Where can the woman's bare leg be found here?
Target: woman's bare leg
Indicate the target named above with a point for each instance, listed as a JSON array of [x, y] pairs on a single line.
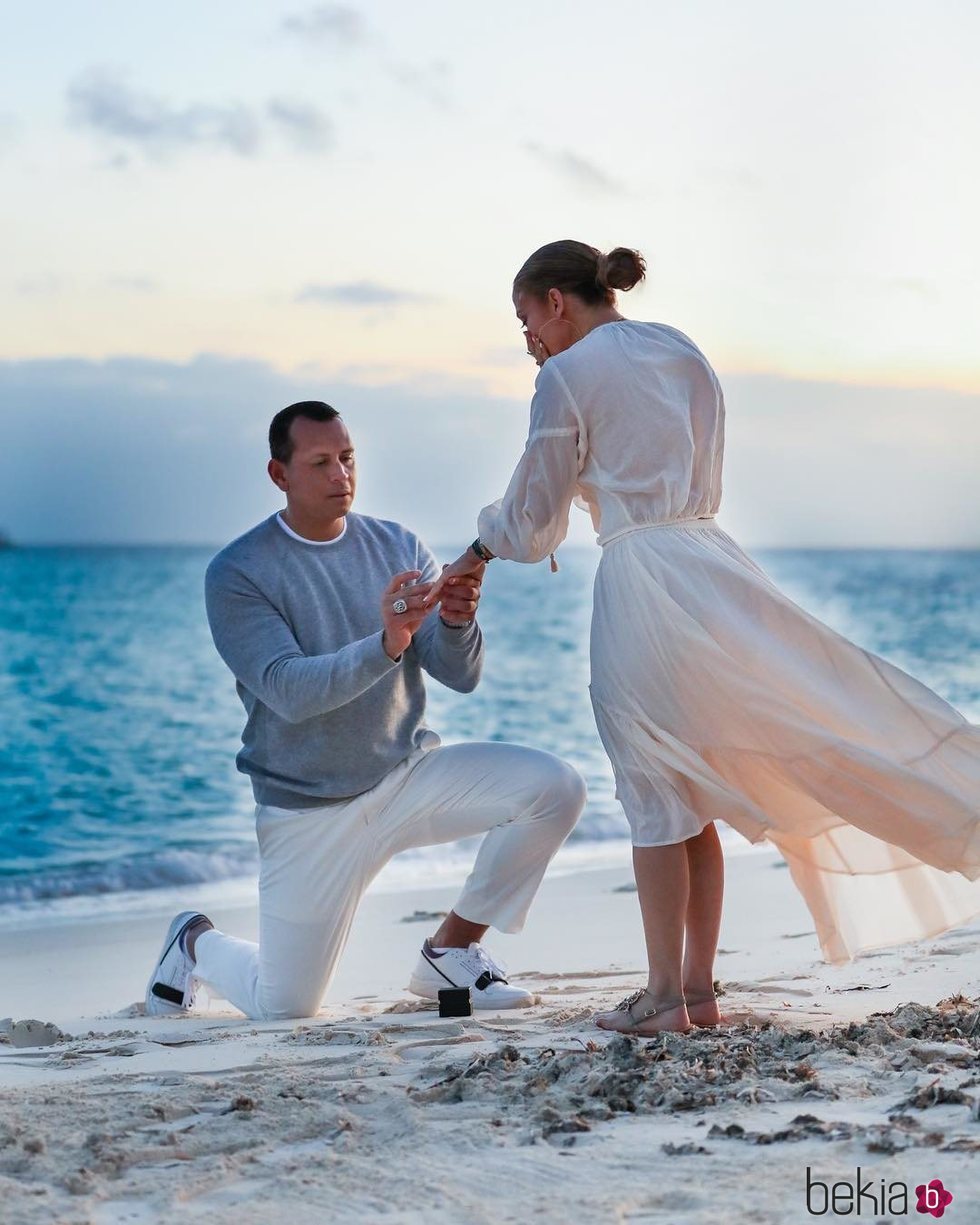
[[663, 888], [706, 869]]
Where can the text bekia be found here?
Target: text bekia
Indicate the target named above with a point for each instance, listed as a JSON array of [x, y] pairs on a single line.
[[844, 1198]]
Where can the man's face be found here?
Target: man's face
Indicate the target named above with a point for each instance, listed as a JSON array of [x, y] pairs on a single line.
[[320, 478]]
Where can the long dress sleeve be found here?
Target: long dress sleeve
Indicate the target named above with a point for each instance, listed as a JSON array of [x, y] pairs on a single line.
[[531, 519]]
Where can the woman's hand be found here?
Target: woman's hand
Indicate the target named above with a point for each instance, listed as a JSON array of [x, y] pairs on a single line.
[[536, 349], [540, 351], [467, 565]]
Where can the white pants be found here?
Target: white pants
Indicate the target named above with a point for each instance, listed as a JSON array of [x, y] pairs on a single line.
[[315, 863]]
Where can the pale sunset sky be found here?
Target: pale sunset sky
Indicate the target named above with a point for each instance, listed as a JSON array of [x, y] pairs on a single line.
[[212, 210]]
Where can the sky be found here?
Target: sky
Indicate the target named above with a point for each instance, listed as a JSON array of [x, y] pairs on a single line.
[[212, 210]]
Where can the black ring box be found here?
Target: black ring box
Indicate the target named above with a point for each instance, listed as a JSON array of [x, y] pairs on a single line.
[[455, 1002]]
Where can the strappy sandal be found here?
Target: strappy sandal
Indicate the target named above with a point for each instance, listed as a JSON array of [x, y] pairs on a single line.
[[702, 997], [638, 1016]]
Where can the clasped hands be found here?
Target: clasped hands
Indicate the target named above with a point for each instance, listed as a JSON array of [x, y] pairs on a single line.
[[405, 603]]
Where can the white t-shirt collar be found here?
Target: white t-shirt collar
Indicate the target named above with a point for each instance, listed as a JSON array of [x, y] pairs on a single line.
[[320, 544]]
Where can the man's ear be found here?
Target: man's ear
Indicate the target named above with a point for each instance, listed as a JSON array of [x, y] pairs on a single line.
[[277, 473]]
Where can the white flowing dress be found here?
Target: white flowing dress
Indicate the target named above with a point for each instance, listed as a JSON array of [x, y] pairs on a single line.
[[716, 696]]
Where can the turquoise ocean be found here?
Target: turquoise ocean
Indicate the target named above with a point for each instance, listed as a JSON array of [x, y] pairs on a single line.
[[119, 723]]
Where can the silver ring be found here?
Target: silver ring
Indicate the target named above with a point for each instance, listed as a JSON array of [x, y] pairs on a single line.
[[399, 606]]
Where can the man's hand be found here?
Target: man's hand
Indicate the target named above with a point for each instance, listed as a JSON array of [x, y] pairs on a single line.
[[400, 627], [461, 596]]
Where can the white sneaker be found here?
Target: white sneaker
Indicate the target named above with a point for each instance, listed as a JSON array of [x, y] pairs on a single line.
[[172, 984], [472, 967]]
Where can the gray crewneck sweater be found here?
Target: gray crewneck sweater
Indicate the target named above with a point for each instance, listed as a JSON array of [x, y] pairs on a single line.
[[298, 622]]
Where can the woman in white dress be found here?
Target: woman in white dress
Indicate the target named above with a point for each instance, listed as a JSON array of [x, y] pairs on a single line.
[[715, 695]]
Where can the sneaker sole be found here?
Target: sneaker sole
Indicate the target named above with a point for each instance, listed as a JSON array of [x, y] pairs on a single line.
[[428, 992], [154, 1004]]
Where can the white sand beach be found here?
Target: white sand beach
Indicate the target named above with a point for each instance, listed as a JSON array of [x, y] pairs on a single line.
[[378, 1110]]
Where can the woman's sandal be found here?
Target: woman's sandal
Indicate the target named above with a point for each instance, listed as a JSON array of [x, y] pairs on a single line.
[[636, 1017], [693, 998]]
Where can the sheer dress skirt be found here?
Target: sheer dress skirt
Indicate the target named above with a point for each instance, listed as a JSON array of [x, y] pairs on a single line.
[[717, 697]]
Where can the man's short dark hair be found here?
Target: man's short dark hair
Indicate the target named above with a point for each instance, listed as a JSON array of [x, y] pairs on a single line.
[[280, 443]]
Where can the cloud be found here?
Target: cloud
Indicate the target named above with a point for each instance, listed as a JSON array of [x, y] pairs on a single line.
[[575, 169], [328, 23], [139, 450], [102, 102], [360, 293], [430, 82], [814, 463], [346, 27], [304, 125]]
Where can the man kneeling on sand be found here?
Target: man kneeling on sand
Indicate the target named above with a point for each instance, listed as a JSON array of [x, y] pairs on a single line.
[[318, 613]]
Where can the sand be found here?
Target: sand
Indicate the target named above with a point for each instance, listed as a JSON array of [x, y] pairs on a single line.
[[379, 1110]]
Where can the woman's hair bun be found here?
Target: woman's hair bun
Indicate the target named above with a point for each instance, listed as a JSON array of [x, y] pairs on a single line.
[[575, 267], [621, 268]]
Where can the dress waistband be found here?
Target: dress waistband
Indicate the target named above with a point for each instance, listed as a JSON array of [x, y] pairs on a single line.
[[698, 521]]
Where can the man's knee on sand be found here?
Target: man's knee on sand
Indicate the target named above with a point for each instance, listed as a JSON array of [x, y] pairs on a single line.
[[295, 1005]]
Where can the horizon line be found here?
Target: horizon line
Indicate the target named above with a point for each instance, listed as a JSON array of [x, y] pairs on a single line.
[[12, 546]]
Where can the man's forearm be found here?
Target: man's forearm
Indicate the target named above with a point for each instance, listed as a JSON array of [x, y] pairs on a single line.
[[258, 645], [453, 655], [299, 687]]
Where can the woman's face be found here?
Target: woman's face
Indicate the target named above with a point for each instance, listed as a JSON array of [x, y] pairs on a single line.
[[546, 328]]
